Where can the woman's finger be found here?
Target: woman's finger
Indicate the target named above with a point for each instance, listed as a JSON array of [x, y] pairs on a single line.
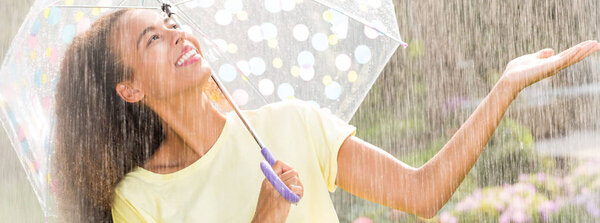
[[574, 47], [299, 190], [545, 53], [288, 175], [281, 167], [570, 57], [587, 49], [563, 59]]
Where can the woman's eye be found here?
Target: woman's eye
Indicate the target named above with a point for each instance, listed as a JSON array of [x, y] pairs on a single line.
[[154, 37], [174, 26]]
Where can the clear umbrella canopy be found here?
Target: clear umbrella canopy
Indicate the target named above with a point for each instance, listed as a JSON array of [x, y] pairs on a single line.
[[326, 52]]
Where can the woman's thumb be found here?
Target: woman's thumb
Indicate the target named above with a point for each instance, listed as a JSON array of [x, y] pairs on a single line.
[[545, 53]]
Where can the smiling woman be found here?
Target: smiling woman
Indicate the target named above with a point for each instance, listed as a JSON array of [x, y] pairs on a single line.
[[138, 140]]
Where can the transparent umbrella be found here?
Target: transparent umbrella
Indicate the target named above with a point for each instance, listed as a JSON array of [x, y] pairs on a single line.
[[323, 51]]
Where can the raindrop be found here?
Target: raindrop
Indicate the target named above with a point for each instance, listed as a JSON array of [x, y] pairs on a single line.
[[375, 3], [83, 25], [269, 31], [257, 65], [300, 32], [233, 6], [288, 5], [277, 62], [362, 54], [240, 97], [333, 90], [327, 80], [307, 73], [337, 18], [227, 72], [35, 28], [223, 17], [306, 59], [320, 41], [205, 3], [352, 76], [343, 62], [243, 66], [273, 6], [266, 87], [255, 34], [221, 44], [295, 71], [67, 34], [285, 91], [54, 16]]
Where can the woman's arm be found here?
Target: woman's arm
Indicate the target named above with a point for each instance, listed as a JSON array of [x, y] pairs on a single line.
[[369, 172]]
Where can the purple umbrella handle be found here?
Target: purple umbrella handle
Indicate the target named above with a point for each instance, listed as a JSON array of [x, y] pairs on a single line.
[[268, 156], [278, 184], [274, 179]]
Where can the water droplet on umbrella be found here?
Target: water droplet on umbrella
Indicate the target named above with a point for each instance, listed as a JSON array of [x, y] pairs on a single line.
[[227, 72], [320, 41], [266, 87], [257, 65], [333, 90], [223, 17], [300, 32], [306, 59], [362, 54], [343, 62], [285, 91]]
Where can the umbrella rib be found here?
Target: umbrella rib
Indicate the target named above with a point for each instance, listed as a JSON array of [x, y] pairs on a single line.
[[182, 2], [105, 6], [358, 19]]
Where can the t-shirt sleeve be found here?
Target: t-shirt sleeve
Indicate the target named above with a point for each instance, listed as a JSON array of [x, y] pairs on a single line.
[[124, 212], [327, 132]]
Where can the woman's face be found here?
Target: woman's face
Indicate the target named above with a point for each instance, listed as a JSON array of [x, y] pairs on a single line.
[[165, 60]]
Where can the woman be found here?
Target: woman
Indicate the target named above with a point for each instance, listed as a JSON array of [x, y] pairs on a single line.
[[139, 141]]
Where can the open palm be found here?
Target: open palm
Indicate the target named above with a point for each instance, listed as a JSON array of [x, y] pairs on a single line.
[[528, 69]]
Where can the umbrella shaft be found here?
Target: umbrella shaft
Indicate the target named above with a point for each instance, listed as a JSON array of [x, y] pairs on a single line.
[[237, 110]]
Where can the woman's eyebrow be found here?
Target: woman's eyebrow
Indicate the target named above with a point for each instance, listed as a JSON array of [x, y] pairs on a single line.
[[148, 29]]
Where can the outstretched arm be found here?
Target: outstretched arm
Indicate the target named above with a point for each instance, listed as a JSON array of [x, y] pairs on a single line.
[[369, 172]]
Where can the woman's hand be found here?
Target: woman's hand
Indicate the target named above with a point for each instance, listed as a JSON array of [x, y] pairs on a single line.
[[528, 69], [272, 207]]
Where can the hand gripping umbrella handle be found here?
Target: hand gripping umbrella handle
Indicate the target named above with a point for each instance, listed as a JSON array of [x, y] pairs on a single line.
[[274, 179]]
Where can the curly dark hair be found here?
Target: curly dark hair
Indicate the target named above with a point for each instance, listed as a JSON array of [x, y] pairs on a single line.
[[99, 136]]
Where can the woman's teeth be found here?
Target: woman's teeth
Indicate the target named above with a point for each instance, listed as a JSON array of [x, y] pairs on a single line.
[[185, 57]]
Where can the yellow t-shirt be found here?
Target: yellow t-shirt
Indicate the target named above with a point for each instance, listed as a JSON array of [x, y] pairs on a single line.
[[224, 184]]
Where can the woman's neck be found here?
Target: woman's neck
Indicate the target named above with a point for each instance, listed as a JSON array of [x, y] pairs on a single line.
[[192, 125]]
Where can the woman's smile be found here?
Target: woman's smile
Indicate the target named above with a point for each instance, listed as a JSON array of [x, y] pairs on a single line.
[[189, 55]]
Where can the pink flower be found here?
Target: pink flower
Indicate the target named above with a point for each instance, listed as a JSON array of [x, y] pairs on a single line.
[[362, 220], [447, 218], [547, 208]]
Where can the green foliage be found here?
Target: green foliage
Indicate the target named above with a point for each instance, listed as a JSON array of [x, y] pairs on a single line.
[[510, 152], [415, 49], [421, 156]]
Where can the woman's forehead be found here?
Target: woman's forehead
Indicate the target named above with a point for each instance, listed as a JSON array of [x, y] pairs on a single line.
[[138, 17], [134, 22]]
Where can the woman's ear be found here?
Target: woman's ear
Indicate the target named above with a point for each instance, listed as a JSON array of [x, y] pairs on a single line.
[[129, 93]]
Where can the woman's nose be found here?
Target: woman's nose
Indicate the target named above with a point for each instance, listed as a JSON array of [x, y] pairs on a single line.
[[178, 37]]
